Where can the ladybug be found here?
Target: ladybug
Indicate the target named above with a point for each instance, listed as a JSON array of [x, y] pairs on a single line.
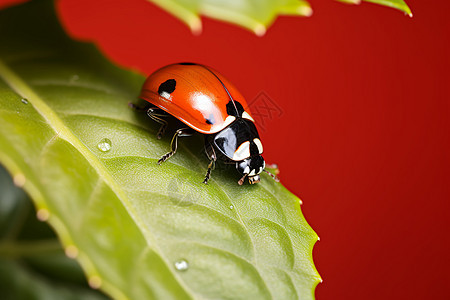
[[206, 102]]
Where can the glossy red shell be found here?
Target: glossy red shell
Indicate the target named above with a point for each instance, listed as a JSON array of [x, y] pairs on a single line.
[[199, 97]]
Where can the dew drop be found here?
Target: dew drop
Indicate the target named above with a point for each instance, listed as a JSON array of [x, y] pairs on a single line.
[[24, 101], [231, 207], [104, 145], [181, 265]]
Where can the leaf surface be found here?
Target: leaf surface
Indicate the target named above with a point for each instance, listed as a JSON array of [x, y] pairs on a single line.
[[256, 16], [139, 230], [253, 15]]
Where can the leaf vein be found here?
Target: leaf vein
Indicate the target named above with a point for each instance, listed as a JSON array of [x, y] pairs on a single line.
[[20, 87]]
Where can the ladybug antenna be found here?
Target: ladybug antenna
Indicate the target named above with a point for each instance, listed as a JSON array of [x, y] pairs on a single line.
[[275, 177], [241, 181]]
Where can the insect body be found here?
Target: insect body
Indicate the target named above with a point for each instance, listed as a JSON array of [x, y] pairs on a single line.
[[207, 103]]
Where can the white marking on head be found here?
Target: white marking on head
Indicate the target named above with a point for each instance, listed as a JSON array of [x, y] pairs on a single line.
[[228, 121], [242, 152], [246, 170], [252, 173], [247, 116], [259, 145], [254, 179], [260, 170]]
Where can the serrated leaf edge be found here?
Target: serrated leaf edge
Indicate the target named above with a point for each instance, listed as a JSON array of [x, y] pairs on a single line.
[[192, 17], [64, 133]]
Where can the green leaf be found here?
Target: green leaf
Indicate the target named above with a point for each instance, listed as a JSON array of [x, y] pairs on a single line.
[[253, 15], [256, 16], [129, 222], [32, 262], [398, 4]]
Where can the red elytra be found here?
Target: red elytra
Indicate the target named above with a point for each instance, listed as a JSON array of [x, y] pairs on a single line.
[[197, 96]]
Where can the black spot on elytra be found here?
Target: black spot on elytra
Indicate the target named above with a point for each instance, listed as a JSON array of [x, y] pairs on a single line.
[[167, 86], [187, 64], [235, 109]]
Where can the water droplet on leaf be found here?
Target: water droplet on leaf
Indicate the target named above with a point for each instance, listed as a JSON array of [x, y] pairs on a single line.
[[181, 265], [24, 101], [104, 145]]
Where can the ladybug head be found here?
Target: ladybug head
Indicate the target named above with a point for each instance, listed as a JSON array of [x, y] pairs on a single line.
[[251, 167]]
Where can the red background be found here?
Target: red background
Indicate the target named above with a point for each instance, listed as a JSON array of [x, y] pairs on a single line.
[[364, 134]]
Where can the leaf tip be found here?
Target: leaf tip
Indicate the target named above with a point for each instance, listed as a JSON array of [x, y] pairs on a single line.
[[260, 30], [195, 24], [405, 8], [305, 11], [398, 4]]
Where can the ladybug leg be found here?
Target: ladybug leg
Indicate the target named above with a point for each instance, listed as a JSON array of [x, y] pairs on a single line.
[[183, 132], [212, 164], [157, 115]]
